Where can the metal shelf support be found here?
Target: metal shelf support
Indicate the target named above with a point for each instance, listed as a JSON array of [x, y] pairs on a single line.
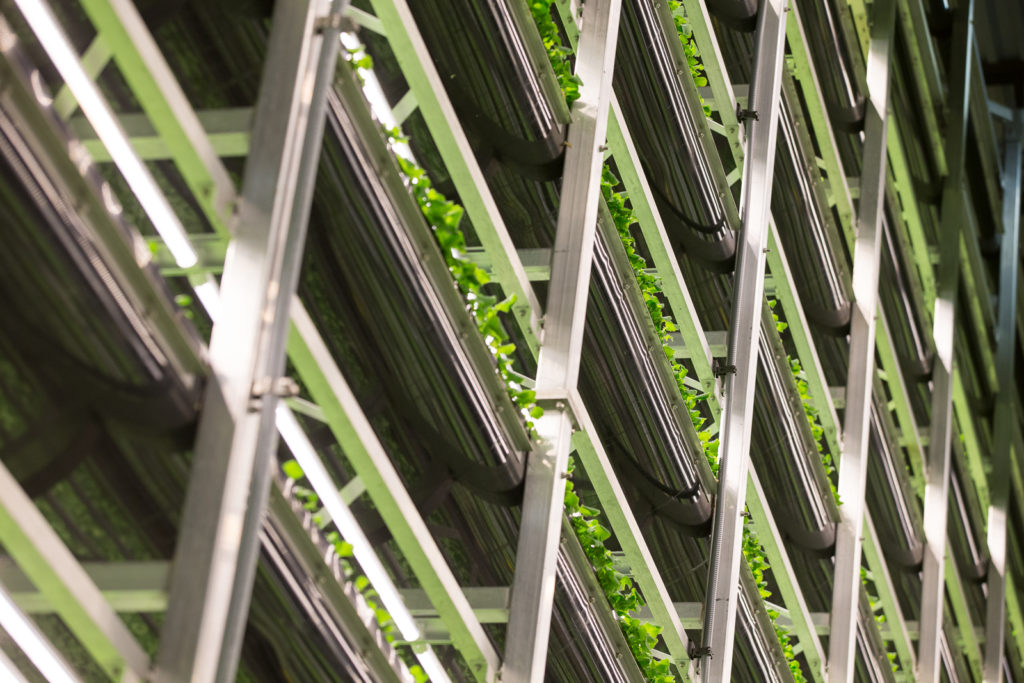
[[558, 364], [853, 464], [1006, 340], [218, 545], [722, 599]]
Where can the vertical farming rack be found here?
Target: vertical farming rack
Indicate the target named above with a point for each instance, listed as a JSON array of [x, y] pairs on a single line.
[[479, 340]]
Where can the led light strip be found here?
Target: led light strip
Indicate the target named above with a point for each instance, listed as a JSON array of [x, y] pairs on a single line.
[[33, 643], [108, 129]]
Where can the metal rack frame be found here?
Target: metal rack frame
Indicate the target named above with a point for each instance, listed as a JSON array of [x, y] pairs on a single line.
[[202, 639]]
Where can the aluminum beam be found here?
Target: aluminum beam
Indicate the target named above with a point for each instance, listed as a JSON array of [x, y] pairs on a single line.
[[458, 157], [94, 60], [558, 363], [37, 549], [1005, 415], [937, 469], [645, 209], [384, 486], [10, 670], [853, 464], [722, 599], [215, 559]]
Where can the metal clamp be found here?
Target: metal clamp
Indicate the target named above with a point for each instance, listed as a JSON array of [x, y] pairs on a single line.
[[559, 403], [335, 21], [721, 369], [282, 387], [745, 114], [697, 651]]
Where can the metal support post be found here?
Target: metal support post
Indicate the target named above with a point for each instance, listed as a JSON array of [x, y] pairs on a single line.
[[723, 583], [1002, 429], [218, 545], [937, 469], [533, 587], [853, 465], [427, 86], [40, 651]]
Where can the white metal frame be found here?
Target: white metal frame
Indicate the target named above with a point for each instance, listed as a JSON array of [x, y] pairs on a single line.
[[726, 554], [1002, 429], [217, 550], [31, 542], [384, 486], [558, 363], [853, 465], [516, 278]]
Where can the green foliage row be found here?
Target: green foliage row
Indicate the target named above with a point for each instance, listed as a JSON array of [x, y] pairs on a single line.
[[868, 581], [558, 54], [693, 57], [444, 217], [618, 587], [311, 503], [810, 412]]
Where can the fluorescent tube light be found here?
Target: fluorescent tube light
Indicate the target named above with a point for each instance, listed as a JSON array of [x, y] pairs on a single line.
[[33, 643], [209, 296], [375, 94], [108, 129]]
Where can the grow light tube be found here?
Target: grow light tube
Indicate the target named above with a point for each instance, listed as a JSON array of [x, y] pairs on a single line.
[[33, 643], [375, 94], [108, 129], [314, 470]]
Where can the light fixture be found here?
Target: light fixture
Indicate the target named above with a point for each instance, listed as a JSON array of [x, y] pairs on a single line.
[[375, 94], [33, 643], [108, 129], [209, 296], [318, 477]]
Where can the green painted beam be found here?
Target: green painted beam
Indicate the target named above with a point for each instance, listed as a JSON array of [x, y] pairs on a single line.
[[157, 90], [227, 130]]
